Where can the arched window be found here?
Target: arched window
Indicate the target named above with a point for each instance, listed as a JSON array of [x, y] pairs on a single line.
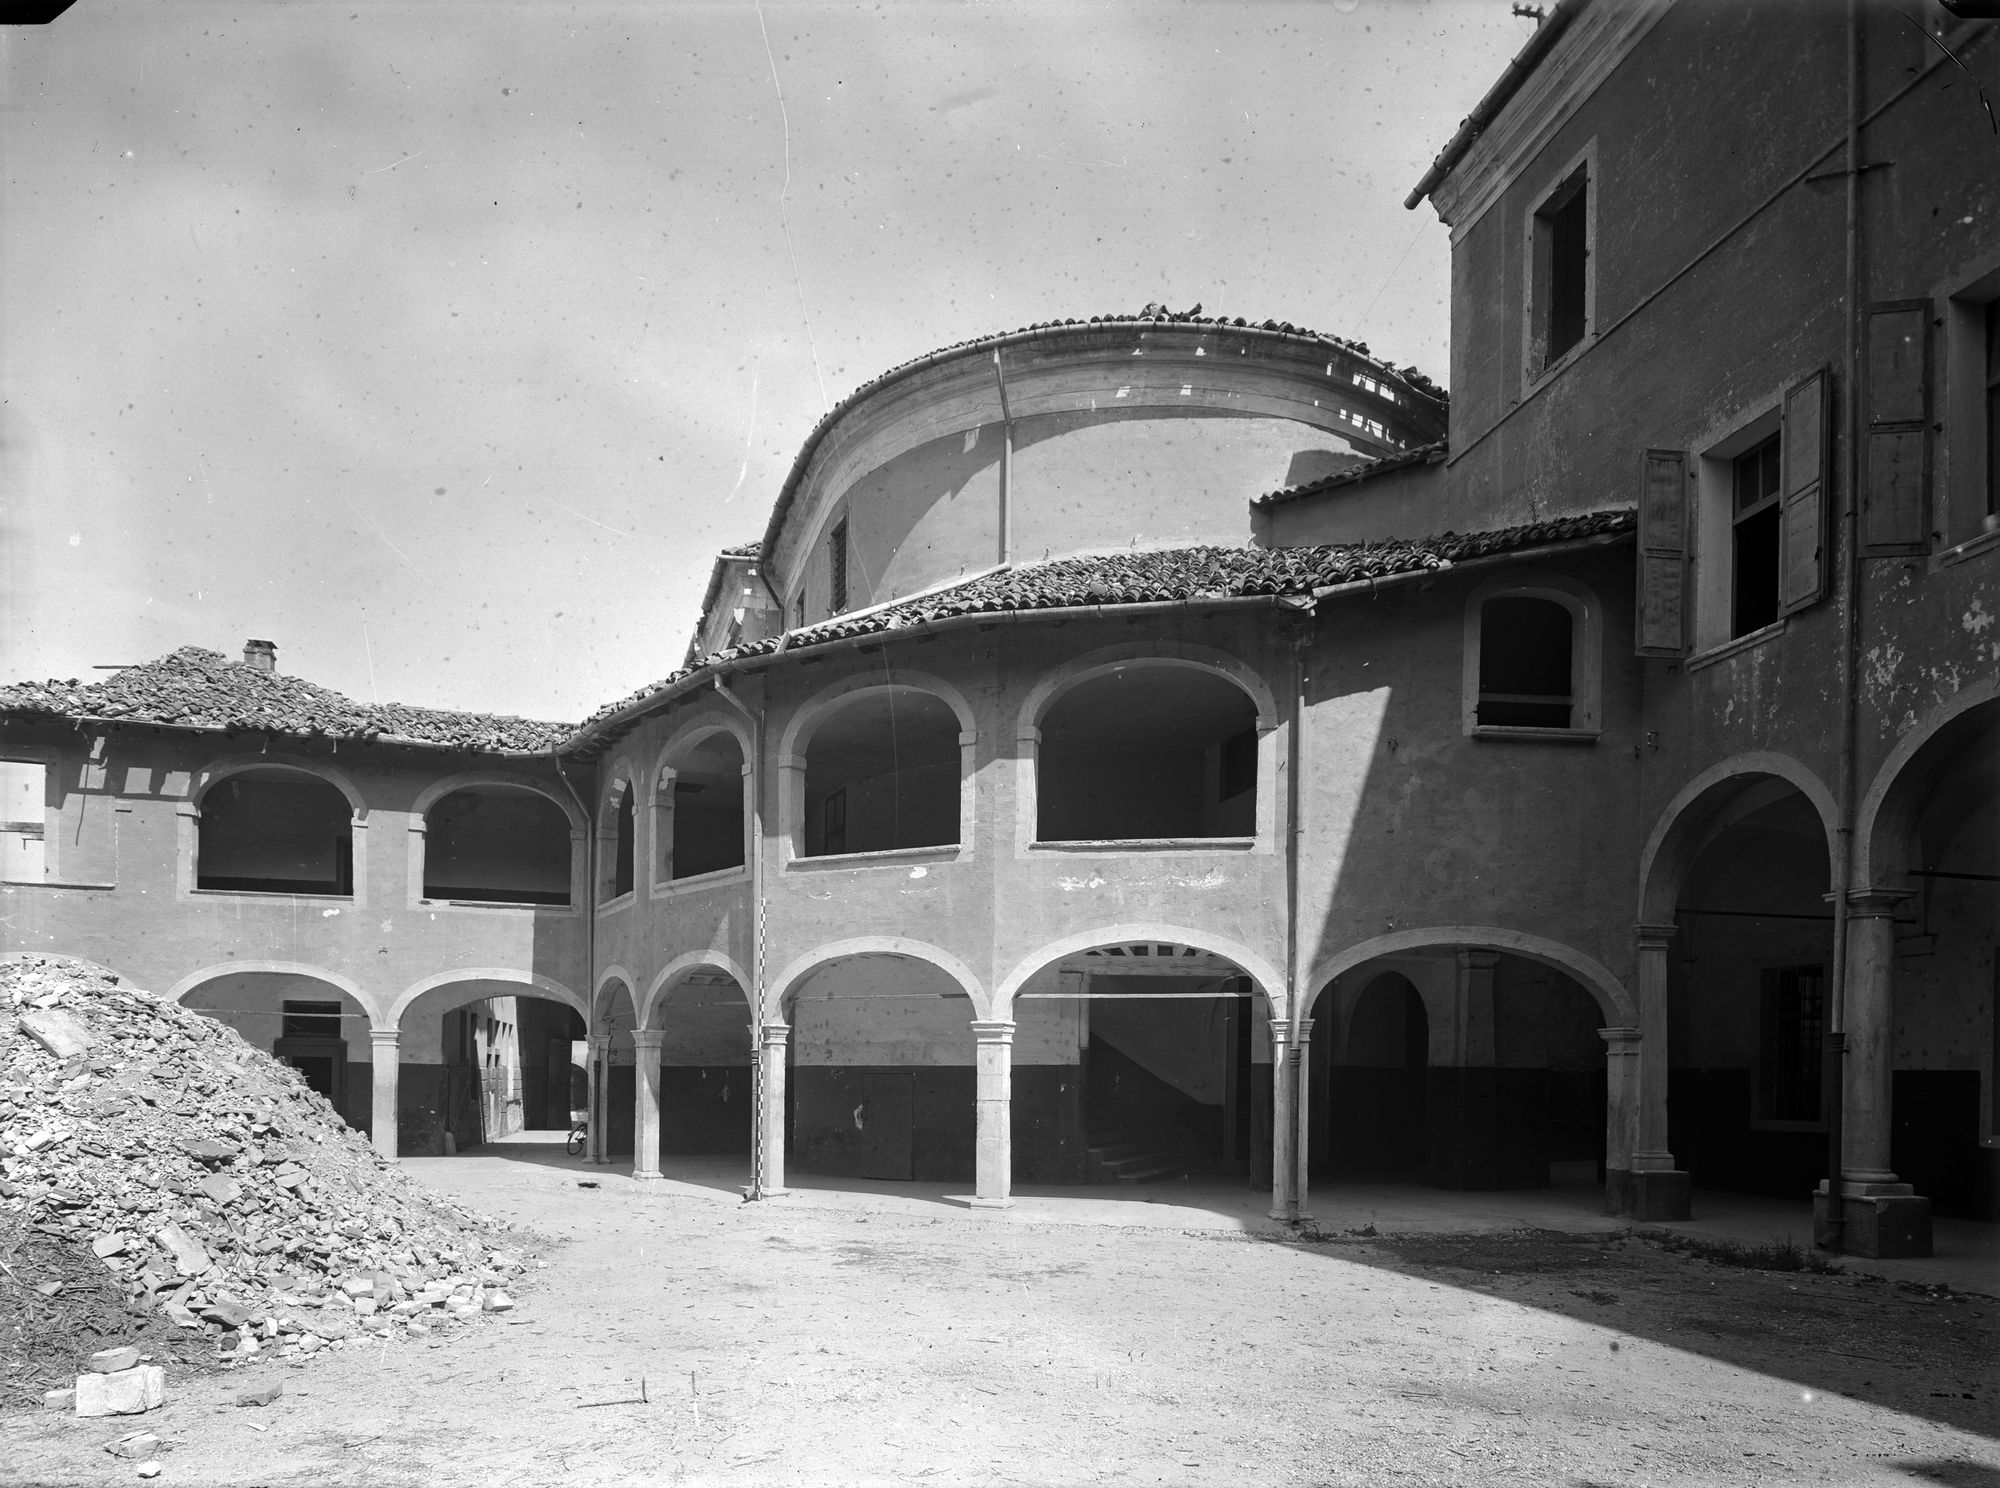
[[1526, 662], [701, 808], [615, 845], [496, 844], [882, 772], [1148, 752], [272, 830]]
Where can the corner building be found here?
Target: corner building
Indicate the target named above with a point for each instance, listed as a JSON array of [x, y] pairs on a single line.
[[1162, 743]]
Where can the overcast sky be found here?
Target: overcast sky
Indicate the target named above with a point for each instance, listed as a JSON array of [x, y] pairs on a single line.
[[444, 344]]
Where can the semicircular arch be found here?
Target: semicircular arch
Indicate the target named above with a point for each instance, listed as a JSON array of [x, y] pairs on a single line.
[[788, 981], [697, 726], [1092, 664], [547, 986], [815, 710], [1617, 1004], [1267, 978], [1677, 836], [437, 790], [1885, 821], [213, 774], [347, 984], [665, 981]]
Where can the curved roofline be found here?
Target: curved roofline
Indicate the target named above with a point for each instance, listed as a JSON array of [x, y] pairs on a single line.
[[1282, 332]]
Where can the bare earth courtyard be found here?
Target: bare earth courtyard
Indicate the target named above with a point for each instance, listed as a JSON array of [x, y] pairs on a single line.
[[677, 1335]]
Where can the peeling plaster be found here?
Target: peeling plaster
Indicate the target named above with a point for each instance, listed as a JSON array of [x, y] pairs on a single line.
[[1977, 619]]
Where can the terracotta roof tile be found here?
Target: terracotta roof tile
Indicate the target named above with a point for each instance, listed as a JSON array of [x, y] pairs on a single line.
[[195, 688], [1423, 454]]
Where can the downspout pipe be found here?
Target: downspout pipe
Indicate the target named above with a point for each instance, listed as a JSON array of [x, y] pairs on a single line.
[[755, 718], [589, 905], [1833, 1084], [1295, 1208]]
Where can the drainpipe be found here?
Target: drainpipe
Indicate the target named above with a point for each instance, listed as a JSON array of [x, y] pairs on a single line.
[[1006, 464], [1833, 1082], [1295, 1205], [589, 919], [756, 988]]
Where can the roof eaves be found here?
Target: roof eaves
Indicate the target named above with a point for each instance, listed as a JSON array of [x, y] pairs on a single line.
[[1424, 454]]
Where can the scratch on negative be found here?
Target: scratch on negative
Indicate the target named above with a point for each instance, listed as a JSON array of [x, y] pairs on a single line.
[[394, 163]]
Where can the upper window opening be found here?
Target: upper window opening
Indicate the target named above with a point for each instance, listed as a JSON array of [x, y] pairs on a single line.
[[1561, 293], [311, 1020], [1148, 752], [836, 567], [799, 611], [707, 809], [616, 848], [275, 832], [882, 772], [1526, 663], [497, 844], [24, 787], [1754, 522], [1992, 409]]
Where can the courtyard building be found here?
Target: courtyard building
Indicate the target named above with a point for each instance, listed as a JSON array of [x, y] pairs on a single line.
[[1162, 743]]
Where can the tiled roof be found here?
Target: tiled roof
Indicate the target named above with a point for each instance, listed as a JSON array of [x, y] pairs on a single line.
[[1423, 454], [743, 550], [1169, 574], [194, 688]]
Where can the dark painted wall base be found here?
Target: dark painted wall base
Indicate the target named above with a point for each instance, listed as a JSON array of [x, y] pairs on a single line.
[[1485, 1128], [919, 1124], [1652, 1195], [705, 1110]]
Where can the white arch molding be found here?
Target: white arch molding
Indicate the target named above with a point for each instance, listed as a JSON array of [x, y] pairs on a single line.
[[1267, 978], [1617, 1004], [698, 725], [810, 714], [1107, 659], [347, 984], [1891, 783], [548, 986], [874, 945], [1656, 900], [213, 774], [437, 790], [666, 982]]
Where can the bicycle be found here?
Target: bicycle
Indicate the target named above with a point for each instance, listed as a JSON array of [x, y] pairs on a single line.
[[579, 1134]]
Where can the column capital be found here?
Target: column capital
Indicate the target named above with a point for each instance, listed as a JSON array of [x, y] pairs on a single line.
[[774, 1035], [1302, 1029], [1874, 903], [647, 1038], [1474, 959], [993, 1031], [1281, 1031], [1647, 936], [599, 1042], [385, 1038], [1621, 1038]]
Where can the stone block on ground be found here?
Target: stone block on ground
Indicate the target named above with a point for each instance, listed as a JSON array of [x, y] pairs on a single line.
[[187, 1252], [58, 1032], [129, 1392], [63, 1399], [113, 1360], [261, 1395], [138, 1444]]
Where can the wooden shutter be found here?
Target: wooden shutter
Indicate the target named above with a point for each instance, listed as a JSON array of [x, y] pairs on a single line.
[[1662, 628], [1802, 497], [1895, 506]]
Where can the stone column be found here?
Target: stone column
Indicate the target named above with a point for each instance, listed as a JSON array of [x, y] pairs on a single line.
[[646, 1103], [994, 1148], [600, 1138], [1302, 1110], [1880, 1216], [1284, 1127], [1621, 1114], [1657, 1189], [385, 1050], [770, 1116]]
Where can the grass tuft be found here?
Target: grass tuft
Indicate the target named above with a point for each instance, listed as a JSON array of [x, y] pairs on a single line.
[[1784, 1254]]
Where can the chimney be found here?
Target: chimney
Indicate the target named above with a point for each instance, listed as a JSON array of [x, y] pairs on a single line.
[[261, 656]]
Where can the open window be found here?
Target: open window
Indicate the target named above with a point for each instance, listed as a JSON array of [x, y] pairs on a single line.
[[1562, 284], [1531, 659], [882, 773], [699, 812], [1971, 440], [24, 795], [616, 845], [275, 831], [497, 844], [1791, 1032], [1147, 752]]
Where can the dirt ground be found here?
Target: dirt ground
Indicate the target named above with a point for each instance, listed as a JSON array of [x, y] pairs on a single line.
[[673, 1339]]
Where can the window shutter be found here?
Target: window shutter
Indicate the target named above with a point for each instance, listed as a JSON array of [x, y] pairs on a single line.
[[1895, 516], [1802, 498], [1662, 628]]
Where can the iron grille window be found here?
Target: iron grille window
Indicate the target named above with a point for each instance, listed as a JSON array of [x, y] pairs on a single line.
[[1791, 1034]]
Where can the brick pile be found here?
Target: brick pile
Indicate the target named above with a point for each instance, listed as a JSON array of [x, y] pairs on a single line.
[[202, 1182]]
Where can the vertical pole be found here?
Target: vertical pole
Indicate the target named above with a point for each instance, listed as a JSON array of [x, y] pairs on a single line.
[[646, 1103], [385, 1054], [1284, 1203], [1302, 1108], [770, 1179], [1871, 971], [600, 1091], [1658, 1189], [1621, 1115], [994, 1151]]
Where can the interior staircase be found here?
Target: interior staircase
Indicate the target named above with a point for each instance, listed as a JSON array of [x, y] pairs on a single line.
[[1115, 1156]]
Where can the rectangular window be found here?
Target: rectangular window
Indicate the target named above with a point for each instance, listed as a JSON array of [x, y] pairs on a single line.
[[1754, 538], [23, 821], [1559, 296], [311, 1020], [1992, 430], [799, 611], [836, 567], [1791, 1034]]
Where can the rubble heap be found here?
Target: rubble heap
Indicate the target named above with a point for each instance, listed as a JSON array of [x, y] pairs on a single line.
[[207, 1183]]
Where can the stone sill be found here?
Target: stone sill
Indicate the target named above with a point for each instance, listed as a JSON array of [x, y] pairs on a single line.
[[714, 877], [623, 901], [264, 894], [61, 883], [888, 857], [1149, 845], [500, 904], [1734, 647], [1539, 735]]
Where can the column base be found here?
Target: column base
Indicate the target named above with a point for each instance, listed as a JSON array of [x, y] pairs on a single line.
[[750, 1193], [646, 1177], [979, 1203], [1876, 1226], [1649, 1194]]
